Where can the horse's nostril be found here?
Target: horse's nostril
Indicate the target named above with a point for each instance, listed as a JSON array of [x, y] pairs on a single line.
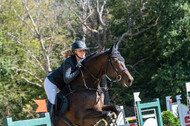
[[129, 81]]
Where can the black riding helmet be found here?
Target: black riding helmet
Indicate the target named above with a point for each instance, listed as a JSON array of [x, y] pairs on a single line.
[[78, 45]]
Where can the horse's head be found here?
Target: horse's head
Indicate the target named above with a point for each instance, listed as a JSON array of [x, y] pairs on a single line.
[[115, 67]]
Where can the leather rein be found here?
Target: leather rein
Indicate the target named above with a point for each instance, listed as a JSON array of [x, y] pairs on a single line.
[[99, 90], [118, 74]]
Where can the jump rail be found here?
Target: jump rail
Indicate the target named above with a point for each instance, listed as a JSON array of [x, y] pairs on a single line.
[[44, 119]]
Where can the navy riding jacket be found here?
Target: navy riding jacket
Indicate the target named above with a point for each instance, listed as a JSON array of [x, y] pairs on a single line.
[[65, 73]]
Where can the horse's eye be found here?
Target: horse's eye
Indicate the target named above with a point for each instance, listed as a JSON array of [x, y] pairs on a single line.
[[115, 60]]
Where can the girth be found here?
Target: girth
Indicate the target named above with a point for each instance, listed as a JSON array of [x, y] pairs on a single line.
[[71, 91]]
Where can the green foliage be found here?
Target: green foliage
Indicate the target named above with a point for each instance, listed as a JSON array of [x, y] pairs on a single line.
[[169, 119], [18, 45], [158, 58], [16, 96], [174, 67], [126, 14]]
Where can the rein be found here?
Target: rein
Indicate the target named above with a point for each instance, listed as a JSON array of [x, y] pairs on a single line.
[[118, 74], [99, 90]]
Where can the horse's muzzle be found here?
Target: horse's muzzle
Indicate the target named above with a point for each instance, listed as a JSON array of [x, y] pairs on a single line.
[[128, 83]]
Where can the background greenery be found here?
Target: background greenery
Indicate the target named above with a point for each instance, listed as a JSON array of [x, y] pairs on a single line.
[[158, 58]]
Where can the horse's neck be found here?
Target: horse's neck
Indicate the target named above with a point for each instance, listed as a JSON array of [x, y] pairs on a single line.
[[96, 70], [89, 77]]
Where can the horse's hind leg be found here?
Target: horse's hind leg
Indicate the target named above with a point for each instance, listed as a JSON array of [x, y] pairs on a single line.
[[91, 117]]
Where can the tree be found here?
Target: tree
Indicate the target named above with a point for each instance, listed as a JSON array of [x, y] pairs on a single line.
[[29, 37], [34, 32], [174, 66], [37, 28], [98, 18], [158, 58], [16, 96]]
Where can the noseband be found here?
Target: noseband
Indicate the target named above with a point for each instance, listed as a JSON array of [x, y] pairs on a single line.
[[118, 74]]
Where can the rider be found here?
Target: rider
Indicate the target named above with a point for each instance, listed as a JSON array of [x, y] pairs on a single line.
[[68, 70]]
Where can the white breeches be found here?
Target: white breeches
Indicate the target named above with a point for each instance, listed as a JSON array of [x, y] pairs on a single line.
[[51, 90]]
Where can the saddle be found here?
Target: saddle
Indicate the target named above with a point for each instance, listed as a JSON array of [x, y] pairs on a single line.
[[61, 104]]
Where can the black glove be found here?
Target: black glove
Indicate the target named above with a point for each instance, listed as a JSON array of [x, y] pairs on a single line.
[[78, 66]]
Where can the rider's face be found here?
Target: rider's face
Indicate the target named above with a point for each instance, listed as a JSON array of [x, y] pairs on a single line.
[[80, 52]]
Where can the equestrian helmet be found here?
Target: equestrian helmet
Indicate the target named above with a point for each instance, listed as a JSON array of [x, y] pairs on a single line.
[[78, 45]]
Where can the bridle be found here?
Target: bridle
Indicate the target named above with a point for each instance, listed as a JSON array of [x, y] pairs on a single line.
[[118, 74], [99, 90]]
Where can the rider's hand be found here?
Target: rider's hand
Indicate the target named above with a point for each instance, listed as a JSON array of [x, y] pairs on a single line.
[[78, 66]]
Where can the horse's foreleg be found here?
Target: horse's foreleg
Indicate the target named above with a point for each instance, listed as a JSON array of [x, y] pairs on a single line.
[[116, 109], [92, 116]]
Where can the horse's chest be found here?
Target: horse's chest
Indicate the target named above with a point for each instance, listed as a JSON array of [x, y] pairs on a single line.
[[99, 101]]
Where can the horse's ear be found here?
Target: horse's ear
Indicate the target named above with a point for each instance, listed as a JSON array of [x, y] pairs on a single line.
[[110, 50], [116, 46], [113, 49]]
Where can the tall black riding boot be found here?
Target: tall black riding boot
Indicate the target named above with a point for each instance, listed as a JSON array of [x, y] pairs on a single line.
[[51, 110]]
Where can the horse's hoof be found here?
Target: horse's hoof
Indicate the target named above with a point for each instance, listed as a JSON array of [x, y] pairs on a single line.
[[112, 124], [108, 117], [114, 115], [101, 122], [113, 120]]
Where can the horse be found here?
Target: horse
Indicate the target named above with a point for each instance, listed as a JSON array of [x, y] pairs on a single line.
[[86, 99]]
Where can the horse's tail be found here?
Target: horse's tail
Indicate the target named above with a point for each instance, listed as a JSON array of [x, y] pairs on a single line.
[[66, 53]]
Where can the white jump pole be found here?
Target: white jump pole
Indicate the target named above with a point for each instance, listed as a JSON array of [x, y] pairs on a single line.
[[188, 95]]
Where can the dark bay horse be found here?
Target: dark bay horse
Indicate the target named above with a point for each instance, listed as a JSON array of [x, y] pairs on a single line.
[[86, 102]]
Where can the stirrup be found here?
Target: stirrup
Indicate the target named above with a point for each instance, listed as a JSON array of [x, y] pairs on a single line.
[[101, 121], [51, 110]]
